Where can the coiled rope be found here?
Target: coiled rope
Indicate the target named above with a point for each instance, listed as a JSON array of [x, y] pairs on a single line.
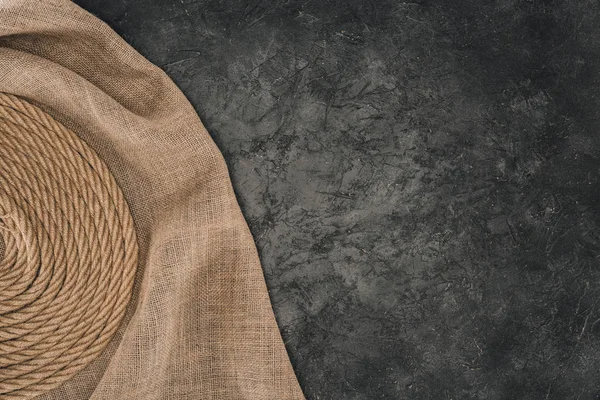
[[70, 252]]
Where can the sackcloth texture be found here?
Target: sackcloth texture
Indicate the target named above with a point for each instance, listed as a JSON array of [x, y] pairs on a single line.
[[188, 315]]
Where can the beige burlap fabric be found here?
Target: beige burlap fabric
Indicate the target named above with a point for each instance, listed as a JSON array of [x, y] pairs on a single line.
[[199, 324]]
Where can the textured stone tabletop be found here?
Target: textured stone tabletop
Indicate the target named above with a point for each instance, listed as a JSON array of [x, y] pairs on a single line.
[[421, 179]]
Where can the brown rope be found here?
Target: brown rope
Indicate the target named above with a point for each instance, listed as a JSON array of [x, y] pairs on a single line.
[[70, 252]]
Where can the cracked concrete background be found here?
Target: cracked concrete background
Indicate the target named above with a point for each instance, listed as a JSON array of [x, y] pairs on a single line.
[[421, 179]]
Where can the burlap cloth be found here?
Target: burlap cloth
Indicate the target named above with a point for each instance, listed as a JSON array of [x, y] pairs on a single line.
[[200, 323]]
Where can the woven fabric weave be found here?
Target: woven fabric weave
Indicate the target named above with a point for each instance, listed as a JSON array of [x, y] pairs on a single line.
[[199, 324]]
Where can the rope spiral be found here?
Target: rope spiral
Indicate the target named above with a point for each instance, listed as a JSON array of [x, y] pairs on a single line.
[[70, 252]]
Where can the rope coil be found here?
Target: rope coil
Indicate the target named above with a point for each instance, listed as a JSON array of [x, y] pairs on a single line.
[[70, 252]]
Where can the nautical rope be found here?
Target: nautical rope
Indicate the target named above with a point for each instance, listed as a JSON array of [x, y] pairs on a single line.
[[70, 252]]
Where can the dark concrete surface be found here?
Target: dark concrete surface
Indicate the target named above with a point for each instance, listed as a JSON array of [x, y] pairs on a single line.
[[421, 178]]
